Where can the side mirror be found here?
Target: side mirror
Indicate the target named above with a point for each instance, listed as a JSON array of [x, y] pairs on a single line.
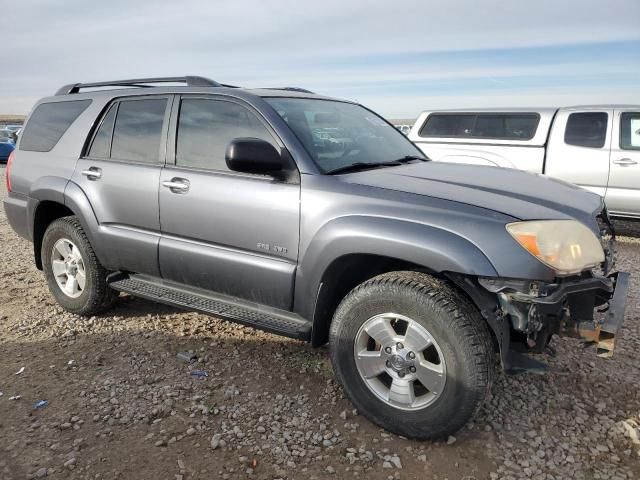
[[253, 155]]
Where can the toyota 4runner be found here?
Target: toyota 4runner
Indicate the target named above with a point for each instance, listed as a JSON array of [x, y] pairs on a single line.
[[314, 218]]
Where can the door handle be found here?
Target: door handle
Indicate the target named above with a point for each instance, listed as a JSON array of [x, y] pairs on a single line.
[[92, 173], [177, 185], [625, 162]]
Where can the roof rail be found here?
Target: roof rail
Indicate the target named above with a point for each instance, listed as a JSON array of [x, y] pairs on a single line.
[[291, 89], [191, 81]]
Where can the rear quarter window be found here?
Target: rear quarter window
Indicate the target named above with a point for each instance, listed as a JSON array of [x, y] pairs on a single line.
[[48, 122]]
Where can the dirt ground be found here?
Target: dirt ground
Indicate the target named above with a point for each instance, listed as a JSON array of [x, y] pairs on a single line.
[[121, 405]]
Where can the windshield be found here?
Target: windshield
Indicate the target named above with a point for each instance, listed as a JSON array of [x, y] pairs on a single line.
[[338, 134]]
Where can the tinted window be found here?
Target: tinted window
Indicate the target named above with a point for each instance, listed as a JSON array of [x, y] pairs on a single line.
[[630, 131], [101, 145], [586, 129], [48, 122], [506, 126], [206, 127], [448, 126], [499, 126], [138, 129], [338, 134]]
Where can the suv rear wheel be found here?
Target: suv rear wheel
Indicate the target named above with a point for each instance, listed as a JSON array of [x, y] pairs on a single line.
[[74, 275], [412, 354]]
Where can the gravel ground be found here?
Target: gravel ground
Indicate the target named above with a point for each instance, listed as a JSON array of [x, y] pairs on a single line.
[[122, 405]]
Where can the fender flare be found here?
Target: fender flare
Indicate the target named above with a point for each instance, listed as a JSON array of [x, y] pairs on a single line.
[[76, 200], [433, 248], [69, 194], [47, 188]]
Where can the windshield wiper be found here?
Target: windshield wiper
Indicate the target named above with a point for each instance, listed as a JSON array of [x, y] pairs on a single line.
[[409, 158], [354, 167]]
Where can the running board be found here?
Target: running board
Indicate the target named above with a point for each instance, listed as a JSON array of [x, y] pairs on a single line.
[[234, 309]]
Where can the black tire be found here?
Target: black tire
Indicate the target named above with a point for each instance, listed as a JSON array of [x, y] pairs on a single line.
[[96, 295], [454, 323]]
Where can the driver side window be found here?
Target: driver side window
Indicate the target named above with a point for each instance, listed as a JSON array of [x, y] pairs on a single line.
[[207, 126]]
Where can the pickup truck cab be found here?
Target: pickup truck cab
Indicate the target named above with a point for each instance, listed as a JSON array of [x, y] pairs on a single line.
[[595, 147], [314, 218]]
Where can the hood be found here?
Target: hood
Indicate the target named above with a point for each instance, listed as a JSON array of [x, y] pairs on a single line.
[[519, 194]]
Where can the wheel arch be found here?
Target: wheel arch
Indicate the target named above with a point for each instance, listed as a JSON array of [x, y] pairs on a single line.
[[349, 251], [52, 198]]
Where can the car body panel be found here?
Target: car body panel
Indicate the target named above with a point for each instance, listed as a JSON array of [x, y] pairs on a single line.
[[623, 190], [211, 230]]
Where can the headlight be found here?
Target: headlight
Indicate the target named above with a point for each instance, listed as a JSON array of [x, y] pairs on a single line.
[[567, 246]]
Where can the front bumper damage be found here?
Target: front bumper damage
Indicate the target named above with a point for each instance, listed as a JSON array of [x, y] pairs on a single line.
[[528, 313], [567, 308], [525, 314]]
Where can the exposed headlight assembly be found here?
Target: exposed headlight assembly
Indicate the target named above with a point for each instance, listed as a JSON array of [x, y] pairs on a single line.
[[567, 246]]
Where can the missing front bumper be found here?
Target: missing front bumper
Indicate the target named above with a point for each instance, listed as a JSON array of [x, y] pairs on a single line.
[[604, 333], [539, 310]]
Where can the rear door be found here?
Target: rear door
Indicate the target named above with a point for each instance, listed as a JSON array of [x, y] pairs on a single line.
[[623, 192], [223, 231], [578, 150], [120, 175]]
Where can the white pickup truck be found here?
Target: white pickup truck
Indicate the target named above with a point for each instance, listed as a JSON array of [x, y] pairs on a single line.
[[596, 147]]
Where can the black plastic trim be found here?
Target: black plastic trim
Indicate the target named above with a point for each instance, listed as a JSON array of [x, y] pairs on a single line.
[[251, 314]]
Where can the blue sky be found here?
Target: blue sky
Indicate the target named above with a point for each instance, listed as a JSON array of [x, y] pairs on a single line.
[[397, 57]]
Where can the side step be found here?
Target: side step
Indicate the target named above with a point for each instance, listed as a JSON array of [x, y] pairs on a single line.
[[229, 308]]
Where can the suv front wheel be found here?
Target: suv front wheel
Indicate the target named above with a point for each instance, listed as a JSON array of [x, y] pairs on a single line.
[[74, 275], [412, 354]]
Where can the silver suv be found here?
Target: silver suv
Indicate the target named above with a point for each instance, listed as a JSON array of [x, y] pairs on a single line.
[[314, 218]]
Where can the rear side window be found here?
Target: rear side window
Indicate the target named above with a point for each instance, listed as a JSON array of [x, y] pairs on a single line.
[[101, 145], [630, 131], [586, 129], [48, 122], [497, 126], [138, 130], [448, 126], [206, 127]]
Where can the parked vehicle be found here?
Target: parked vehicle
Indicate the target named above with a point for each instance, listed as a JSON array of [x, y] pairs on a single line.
[[5, 133], [15, 131], [314, 218], [13, 127], [6, 147], [596, 147], [405, 129]]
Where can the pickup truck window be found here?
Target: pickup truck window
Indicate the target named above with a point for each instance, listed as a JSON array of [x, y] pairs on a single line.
[[339, 134], [630, 131], [206, 127], [497, 126], [48, 122], [586, 129]]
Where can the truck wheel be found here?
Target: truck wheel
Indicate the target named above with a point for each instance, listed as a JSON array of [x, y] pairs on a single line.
[[412, 354], [74, 275]]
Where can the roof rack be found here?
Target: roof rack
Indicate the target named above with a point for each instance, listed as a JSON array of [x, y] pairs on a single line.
[[291, 89], [191, 81]]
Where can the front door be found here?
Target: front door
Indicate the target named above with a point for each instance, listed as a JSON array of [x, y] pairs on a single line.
[[120, 175], [230, 233], [623, 192]]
